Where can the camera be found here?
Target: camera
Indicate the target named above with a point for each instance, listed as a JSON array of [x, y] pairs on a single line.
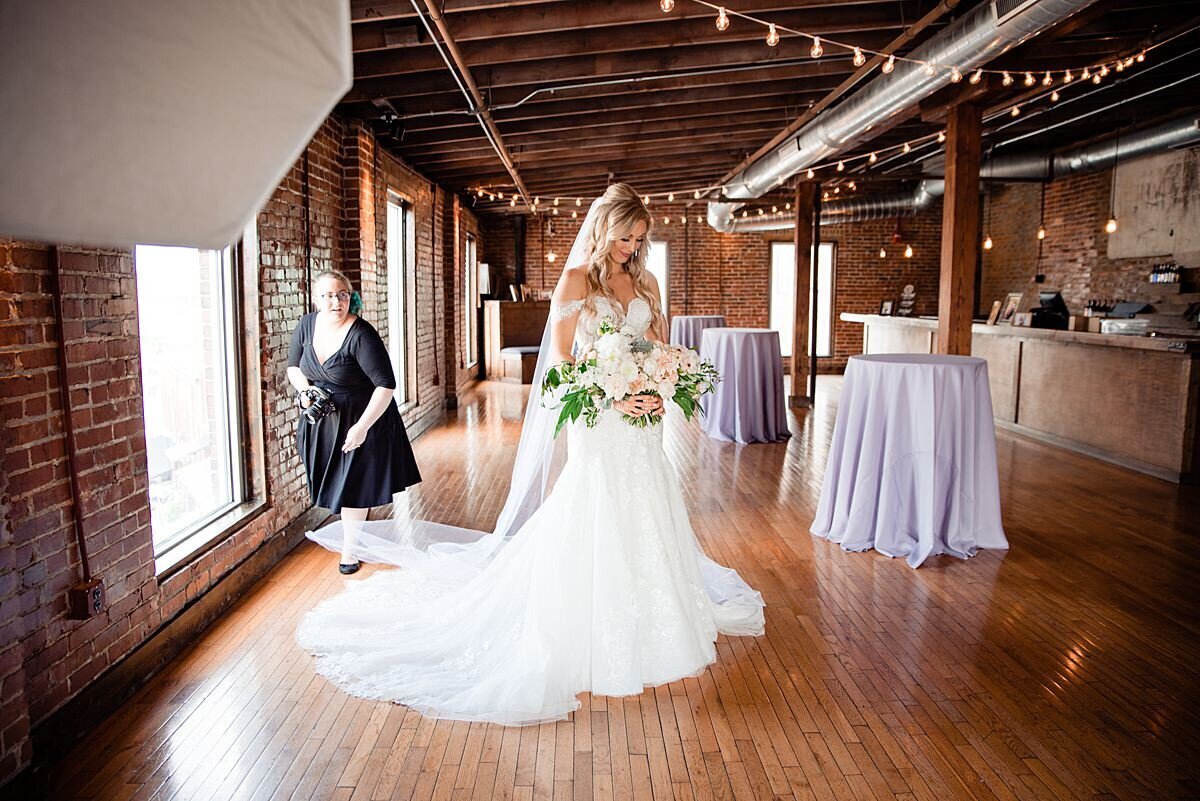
[[320, 404]]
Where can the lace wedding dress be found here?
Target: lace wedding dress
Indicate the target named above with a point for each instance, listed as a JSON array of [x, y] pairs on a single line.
[[603, 589]]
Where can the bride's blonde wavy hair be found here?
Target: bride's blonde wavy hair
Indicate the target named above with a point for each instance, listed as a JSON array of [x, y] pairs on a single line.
[[620, 209]]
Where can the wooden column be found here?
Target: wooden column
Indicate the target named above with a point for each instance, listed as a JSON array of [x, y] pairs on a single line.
[[801, 366], [960, 230]]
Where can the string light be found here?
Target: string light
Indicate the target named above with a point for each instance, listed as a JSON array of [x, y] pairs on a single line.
[[1096, 78], [555, 201], [908, 251], [501, 195], [1086, 74], [646, 200], [1054, 96], [722, 20], [907, 148], [1048, 80], [550, 257], [841, 166], [578, 201], [513, 202], [810, 172], [888, 65], [481, 193], [955, 75], [976, 77], [760, 212], [574, 215], [883, 253], [859, 58], [941, 137], [1111, 225], [774, 209], [930, 69], [987, 243], [1007, 81], [837, 190], [670, 197], [696, 194], [667, 6], [1016, 110], [1041, 233], [666, 220], [1068, 76], [787, 206], [816, 51], [537, 201], [873, 158], [853, 186], [772, 36], [1029, 79]]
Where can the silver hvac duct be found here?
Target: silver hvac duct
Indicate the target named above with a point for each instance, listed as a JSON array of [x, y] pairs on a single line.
[[981, 35], [1017, 167]]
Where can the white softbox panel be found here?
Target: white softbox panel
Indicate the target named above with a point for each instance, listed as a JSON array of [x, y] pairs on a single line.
[[159, 121]]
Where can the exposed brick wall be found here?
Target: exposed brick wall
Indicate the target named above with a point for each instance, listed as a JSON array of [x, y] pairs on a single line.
[[1074, 255], [730, 274], [329, 211], [500, 251]]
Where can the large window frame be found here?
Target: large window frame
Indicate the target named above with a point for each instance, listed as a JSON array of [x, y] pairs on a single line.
[[659, 265], [178, 539], [399, 289], [783, 296], [470, 262]]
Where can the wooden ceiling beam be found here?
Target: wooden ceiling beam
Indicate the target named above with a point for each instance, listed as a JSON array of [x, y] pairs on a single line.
[[551, 175], [539, 160]]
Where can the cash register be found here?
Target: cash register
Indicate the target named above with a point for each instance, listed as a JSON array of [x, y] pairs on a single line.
[[1051, 311]]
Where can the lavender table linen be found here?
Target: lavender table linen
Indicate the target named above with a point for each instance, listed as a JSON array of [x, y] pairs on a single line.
[[687, 328], [912, 466], [748, 405]]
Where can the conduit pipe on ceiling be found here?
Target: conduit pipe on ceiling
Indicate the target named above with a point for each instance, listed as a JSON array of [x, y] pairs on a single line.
[[981, 35], [1043, 166]]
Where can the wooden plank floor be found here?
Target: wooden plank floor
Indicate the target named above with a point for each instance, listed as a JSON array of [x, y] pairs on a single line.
[[1063, 669]]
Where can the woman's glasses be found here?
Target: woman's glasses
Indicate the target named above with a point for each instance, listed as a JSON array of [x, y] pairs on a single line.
[[328, 297]]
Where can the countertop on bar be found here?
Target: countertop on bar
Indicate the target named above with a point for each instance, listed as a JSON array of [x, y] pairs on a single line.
[[1183, 347]]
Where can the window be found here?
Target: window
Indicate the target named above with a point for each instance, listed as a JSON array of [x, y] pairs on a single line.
[[190, 388], [783, 295], [397, 282], [657, 265], [470, 301]]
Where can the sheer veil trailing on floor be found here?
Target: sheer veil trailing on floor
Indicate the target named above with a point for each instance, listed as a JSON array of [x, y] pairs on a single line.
[[591, 580]]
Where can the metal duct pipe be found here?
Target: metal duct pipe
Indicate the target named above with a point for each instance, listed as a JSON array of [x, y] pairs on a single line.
[[978, 37], [1016, 167]]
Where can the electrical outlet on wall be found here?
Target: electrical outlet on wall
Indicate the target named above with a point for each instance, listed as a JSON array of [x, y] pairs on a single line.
[[86, 598]]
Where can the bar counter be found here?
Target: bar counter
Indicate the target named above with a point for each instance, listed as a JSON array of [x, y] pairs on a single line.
[[1130, 400]]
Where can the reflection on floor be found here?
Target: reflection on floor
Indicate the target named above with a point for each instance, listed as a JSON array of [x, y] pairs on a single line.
[[1063, 669]]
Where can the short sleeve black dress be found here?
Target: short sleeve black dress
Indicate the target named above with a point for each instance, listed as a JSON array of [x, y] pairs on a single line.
[[383, 465]]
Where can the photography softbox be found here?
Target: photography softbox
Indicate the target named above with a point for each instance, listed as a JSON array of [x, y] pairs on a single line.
[[159, 121]]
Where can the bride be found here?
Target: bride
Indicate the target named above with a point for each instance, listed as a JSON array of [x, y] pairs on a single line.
[[593, 582]]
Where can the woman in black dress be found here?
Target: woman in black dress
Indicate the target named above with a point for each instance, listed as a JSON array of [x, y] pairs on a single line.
[[356, 456]]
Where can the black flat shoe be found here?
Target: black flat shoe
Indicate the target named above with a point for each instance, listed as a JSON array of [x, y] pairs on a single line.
[[346, 570]]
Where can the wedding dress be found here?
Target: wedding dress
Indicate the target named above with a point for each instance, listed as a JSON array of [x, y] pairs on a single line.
[[604, 588]]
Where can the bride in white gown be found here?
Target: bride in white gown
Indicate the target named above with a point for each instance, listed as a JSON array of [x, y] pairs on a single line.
[[596, 584]]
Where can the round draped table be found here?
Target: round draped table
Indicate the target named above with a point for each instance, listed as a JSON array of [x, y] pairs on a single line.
[[912, 467], [748, 404], [686, 328]]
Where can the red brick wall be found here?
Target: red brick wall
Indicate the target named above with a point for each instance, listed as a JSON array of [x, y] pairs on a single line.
[[1074, 253], [730, 274], [499, 250], [47, 658]]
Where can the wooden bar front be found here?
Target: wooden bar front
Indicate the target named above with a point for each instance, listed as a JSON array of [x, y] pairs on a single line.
[[1129, 400]]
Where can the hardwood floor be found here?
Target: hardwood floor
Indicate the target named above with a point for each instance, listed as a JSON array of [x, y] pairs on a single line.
[[1062, 669]]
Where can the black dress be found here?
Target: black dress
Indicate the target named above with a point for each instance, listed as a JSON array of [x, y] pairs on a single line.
[[383, 465]]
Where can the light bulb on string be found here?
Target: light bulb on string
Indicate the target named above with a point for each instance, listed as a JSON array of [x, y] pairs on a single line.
[[955, 75], [853, 186], [1119, 66], [1111, 225], [1086, 74], [480, 193], [1104, 71], [810, 173], [873, 157], [859, 58], [1068, 76], [1029, 79], [1054, 96], [837, 190], [976, 77], [501, 195], [491, 196], [555, 211], [772, 35], [1041, 232], [787, 206], [907, 148], [941, 137], [825, 196], [1048, 79], [987, 243], [670, 197], [1007, 80], [646, 200], [722, 20], [743, 214], [816, 51], [578, 201], [774, 209], [537, 201], [550, 257], [1096, 78], [760, 212], [574, 214], [512, 202], [930, 69], [1016, 111], [667, 6], [908, 251], [696, 194], [666, 220], [699, 220], [841, 166], [1141, 56], [683, 220], [555, 201], [888, 65], [883, 253]]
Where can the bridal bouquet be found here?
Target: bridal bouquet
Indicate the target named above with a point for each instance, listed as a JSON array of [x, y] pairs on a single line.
[[619, 365]]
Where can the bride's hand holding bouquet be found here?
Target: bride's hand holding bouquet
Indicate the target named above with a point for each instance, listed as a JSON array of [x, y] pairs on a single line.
[[621, 371]]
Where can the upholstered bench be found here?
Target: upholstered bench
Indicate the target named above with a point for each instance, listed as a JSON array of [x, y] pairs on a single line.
[[517, 363]]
